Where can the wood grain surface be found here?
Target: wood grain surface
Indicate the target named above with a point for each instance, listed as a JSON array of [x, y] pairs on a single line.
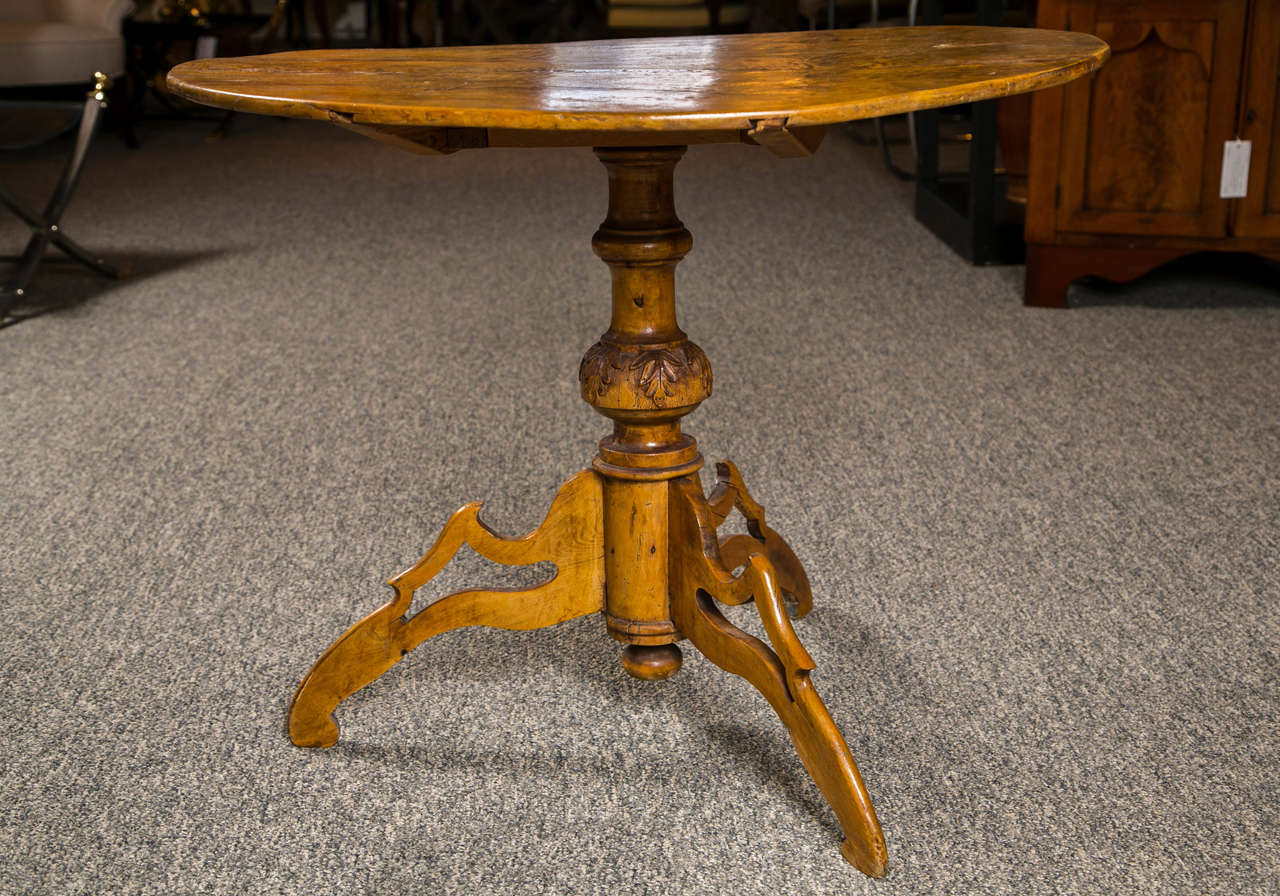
[[570, 537], [681, 84], [700, 581]]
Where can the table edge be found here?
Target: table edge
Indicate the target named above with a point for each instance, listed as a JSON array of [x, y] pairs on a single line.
[[632, 123]]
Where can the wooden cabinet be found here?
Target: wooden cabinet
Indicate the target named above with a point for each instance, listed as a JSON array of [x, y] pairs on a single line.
[[1259, 212], [1126, 167]]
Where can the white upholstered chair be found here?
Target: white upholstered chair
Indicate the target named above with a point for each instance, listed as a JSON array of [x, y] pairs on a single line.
[[60, 41]]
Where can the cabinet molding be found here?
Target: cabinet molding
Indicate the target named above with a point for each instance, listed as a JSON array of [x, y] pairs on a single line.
[[1130, 160]]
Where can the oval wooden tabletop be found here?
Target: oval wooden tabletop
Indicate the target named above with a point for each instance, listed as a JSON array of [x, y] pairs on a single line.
[[722, 82]]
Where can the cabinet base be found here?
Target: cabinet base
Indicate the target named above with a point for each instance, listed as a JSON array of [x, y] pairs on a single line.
[[1052, 269]]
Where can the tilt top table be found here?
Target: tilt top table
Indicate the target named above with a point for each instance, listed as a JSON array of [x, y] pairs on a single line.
[[635, 538]]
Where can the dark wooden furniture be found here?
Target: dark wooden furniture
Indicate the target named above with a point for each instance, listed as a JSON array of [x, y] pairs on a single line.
[[634, 538], [157, 38], [1125, 167]]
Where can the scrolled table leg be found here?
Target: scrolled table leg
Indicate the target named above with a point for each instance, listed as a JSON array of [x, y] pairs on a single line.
[[778, 670], [570, 537], [730, 493]]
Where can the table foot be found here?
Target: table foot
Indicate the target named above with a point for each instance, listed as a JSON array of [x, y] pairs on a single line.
[[651, 662], [701, 576], [570, 537]]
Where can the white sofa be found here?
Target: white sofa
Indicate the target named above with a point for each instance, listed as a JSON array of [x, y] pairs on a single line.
[[45, 42]]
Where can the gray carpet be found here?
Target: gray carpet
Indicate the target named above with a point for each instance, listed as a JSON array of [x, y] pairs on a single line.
[[1043, 545]]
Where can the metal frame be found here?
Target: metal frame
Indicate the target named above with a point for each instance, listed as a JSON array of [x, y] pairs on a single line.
[[970, 215], [46, 228]]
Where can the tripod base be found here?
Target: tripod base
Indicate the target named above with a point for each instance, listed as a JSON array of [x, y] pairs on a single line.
[[701, 577], [634, 538]]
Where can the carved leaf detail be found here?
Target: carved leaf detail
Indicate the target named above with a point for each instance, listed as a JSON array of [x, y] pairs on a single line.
[[655, 376], [659, 371], [597, 369], [704, 367]]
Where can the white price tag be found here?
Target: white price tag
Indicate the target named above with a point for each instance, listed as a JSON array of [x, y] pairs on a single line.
[[1235, 169]]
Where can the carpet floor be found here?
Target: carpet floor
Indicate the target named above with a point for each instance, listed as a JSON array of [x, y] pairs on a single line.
[[1044, 545]]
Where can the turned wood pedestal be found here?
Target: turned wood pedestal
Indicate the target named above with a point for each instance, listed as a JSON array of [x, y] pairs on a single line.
[[634, 538]]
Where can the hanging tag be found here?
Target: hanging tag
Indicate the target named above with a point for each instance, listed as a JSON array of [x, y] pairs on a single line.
[[1235, 169]]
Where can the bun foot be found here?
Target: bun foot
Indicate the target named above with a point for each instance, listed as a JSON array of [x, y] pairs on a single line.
[[651, 663]]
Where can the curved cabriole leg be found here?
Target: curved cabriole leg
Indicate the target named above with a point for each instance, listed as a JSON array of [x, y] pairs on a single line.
[[570, 537], [730, 492], [700, 577]]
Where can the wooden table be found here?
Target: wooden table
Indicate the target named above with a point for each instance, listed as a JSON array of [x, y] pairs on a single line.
[[634, 537]]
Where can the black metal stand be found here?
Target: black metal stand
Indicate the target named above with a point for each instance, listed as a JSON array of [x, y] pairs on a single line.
[[46, 228], [971, 215]]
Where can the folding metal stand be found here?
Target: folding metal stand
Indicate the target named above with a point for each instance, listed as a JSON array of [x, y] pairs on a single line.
[[970, 214], [46, 228]]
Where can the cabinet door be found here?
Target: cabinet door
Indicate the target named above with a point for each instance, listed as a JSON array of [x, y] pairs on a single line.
[[1142, 141], [1258, 213]]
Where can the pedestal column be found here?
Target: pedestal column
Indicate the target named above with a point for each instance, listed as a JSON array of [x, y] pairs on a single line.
[[645, 375]]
